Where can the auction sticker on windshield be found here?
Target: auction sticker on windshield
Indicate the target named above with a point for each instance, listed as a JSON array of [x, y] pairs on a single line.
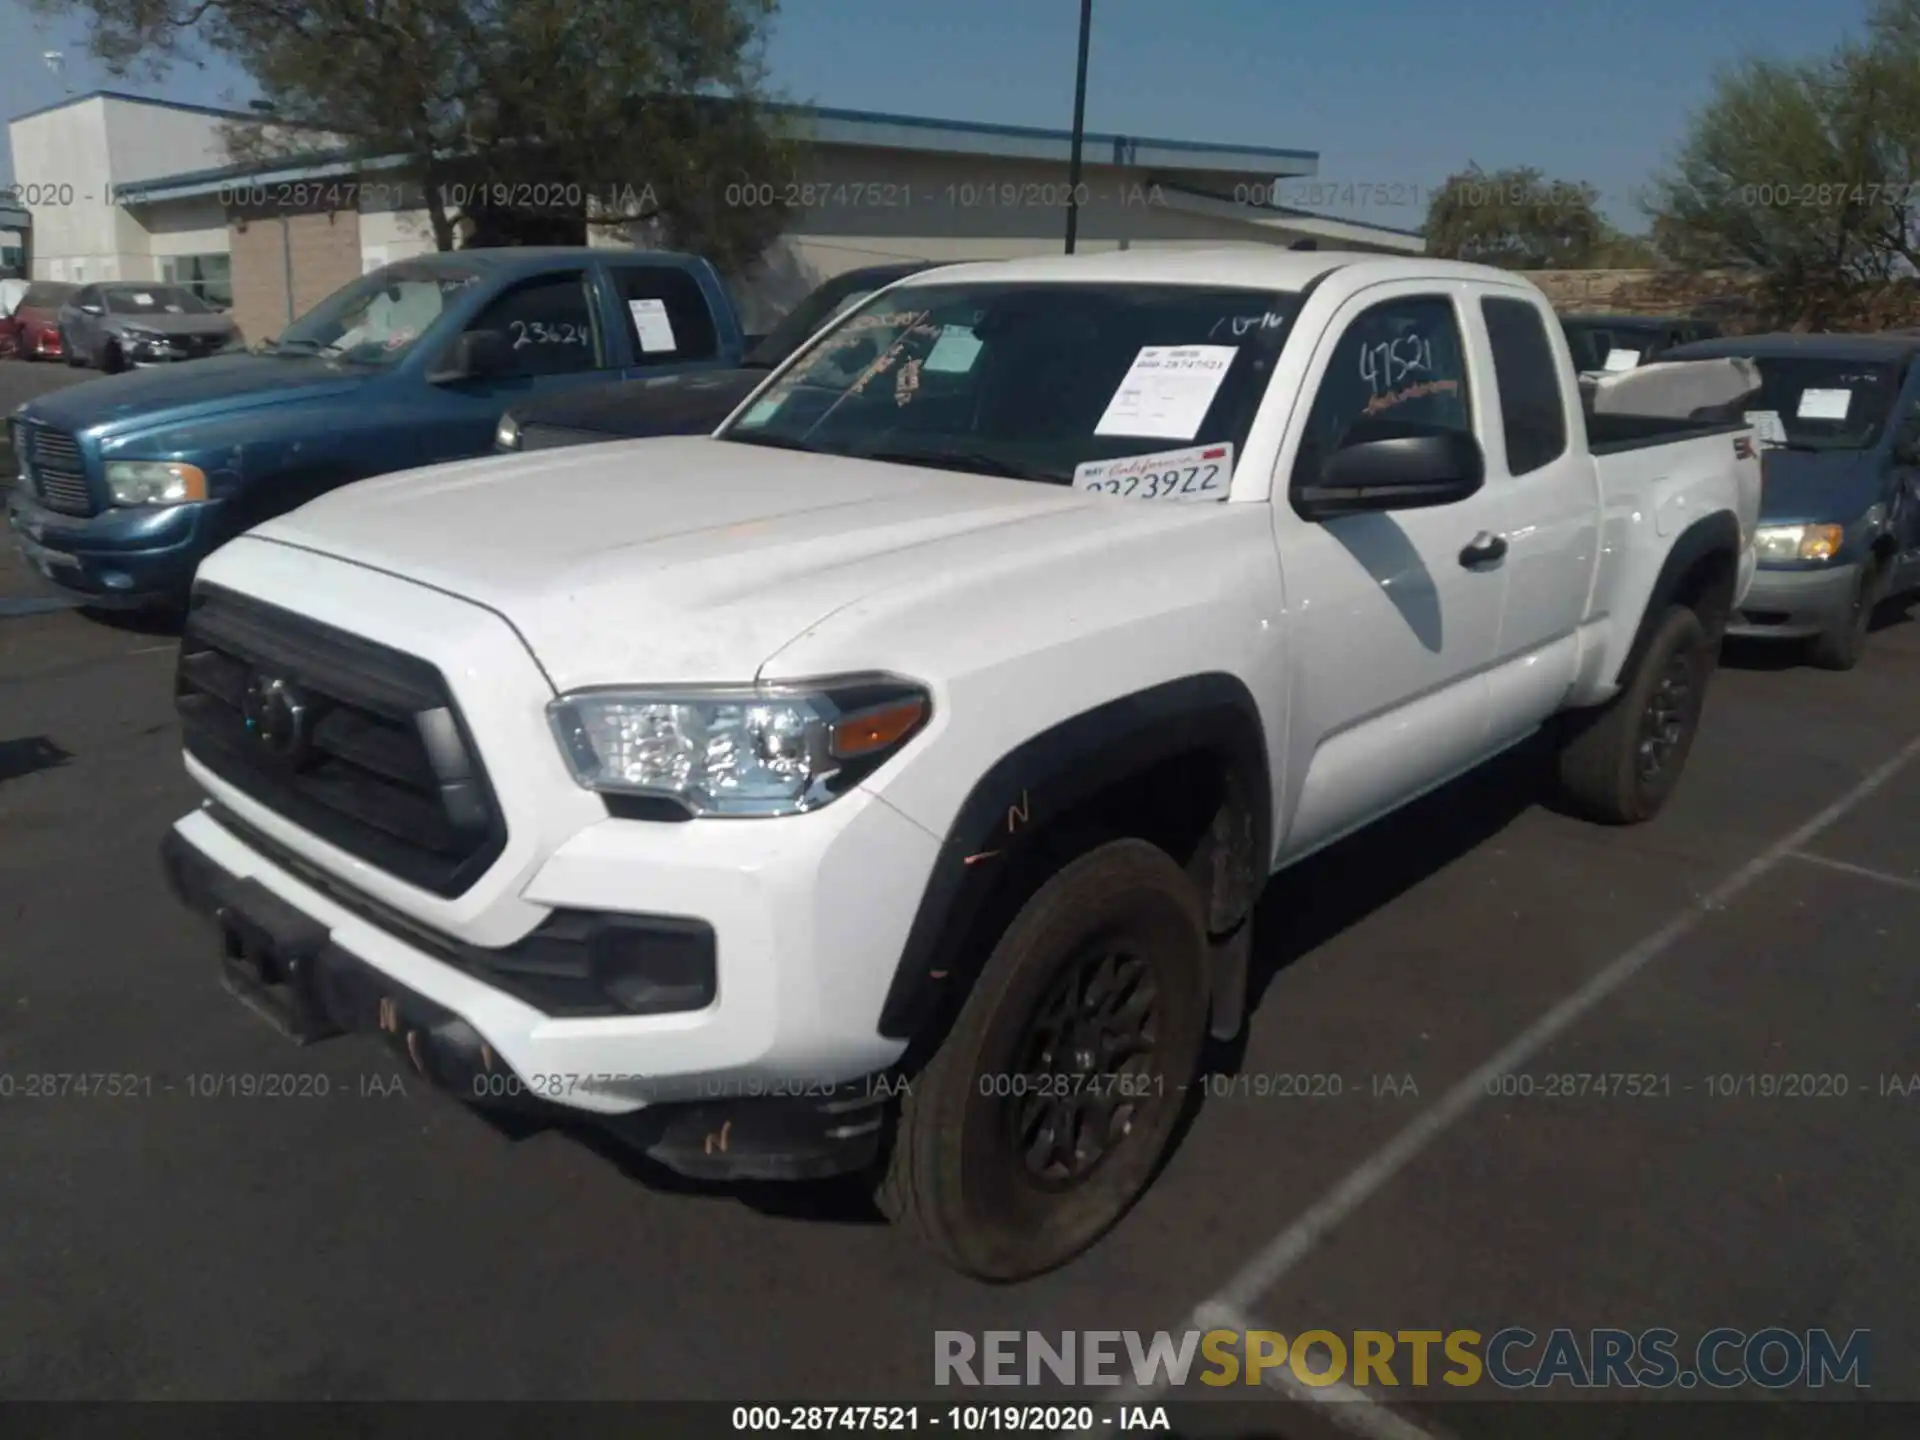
[[1202, 472], [1167, 391], [1825, 404]]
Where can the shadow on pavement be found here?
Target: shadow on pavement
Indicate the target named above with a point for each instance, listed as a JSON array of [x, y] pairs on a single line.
[[24, 757], [162, 623]]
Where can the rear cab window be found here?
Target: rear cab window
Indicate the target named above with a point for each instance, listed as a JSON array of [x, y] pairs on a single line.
[[668, 317], [1526, 378]]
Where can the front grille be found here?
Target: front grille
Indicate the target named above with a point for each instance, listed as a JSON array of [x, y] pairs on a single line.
[[376, 761], [59, 474]]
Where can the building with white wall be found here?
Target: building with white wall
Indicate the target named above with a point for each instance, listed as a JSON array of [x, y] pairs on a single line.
[[118, 187]]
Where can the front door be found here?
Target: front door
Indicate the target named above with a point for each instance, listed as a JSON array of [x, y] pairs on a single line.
[[550, 329], [1392, 617]]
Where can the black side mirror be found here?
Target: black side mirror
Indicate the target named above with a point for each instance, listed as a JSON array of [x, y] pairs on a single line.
[[1413, 472], [476, 355]]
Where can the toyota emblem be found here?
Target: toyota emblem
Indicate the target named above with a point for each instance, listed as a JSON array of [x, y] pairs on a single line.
[[277, 717]]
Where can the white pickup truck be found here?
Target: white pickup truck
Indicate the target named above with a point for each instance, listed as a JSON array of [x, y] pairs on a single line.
[[884, 783]]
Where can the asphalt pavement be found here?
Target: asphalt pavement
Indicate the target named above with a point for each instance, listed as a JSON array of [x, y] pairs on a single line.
[[180, 1240]]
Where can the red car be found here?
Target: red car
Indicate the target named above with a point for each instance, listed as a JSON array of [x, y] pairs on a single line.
[[36, 321]]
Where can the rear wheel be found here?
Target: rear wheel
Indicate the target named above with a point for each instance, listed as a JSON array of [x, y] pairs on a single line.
[[1044, 1113], [1841, 647], [73, 357], [1622, 762]]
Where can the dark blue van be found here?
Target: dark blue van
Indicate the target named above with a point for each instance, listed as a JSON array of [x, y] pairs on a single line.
[[1839, 420], [128, 482]]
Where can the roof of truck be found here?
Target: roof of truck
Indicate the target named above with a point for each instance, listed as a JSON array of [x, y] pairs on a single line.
[[1257, 267], [1835, 347]]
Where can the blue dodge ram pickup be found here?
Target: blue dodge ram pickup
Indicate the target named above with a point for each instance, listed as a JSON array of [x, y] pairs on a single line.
[[127, 483]]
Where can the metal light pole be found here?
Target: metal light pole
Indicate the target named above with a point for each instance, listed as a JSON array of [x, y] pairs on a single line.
[[1079, 125]]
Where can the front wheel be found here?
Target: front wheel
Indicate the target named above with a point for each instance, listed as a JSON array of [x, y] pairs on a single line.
[[1621, 762], [1842, 646], [1044, 1113], [111, 361]]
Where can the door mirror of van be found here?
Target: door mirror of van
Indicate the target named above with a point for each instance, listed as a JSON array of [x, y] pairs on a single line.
[[1410, 472]]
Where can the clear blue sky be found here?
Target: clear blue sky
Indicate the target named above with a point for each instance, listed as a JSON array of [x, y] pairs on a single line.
[[1390, 92]]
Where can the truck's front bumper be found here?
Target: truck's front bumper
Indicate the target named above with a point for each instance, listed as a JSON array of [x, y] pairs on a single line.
[[1795, 604], [710, 1093], [118, 558]]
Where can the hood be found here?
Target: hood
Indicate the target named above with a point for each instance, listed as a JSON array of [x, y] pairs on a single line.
[[164, 324], [1834, 487], [669, 405], [684, 560], [138, 398]]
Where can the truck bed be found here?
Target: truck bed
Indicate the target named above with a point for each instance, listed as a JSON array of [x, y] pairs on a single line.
[[1612, 434]]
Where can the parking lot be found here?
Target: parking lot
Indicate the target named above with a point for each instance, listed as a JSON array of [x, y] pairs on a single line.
[[181, 1240]]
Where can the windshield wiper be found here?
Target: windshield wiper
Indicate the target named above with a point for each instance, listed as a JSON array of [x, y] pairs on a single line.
[[969, 461], [778, 442]]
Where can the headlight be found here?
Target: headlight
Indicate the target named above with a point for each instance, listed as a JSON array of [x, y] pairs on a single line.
[[154, 482], [506, 435], [1798, 542], [737, 750]]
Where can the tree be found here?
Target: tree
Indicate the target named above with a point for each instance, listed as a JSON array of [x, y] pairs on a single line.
[[1806, 173], [1516, 218], [602, 112]]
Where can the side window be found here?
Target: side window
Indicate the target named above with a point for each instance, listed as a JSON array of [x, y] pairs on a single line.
[[668, 318], [1532, 409], [547, 325], [88, 296], [1399, 369]]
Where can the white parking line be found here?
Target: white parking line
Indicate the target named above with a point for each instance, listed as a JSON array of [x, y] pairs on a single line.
[[1358, 1412], [1292, 1245], [1903, 881]]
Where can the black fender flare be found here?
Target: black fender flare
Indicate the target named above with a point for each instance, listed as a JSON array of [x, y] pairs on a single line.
[[1049, 774], [1718, 533]]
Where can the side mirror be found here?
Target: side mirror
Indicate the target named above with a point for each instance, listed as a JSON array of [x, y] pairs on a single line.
[[1413, 472], [91, 309], [475, 355]]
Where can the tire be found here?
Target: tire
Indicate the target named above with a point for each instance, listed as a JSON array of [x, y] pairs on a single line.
[[1842, 646], [1622, 761], [111, 361], [957, 1175]]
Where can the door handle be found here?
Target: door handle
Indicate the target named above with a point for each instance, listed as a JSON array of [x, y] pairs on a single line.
[[1483, 549]]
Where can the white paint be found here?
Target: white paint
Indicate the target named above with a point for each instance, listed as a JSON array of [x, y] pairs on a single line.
[[1904, 882], [1018, 605], [1290, 1246]]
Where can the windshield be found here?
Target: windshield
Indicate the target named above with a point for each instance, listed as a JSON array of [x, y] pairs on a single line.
[[1809, 403], [1034, 381], [153, 300], [45, 296], [378, 318], [830, 301]]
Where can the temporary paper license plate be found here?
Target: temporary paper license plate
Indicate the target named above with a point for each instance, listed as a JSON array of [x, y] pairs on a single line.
[[1200, 472]]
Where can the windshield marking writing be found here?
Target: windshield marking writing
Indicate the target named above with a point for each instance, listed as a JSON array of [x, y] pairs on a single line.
[[541, 332], [908, 384], [1412, 392], [1243, 325], [1386, 364]]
